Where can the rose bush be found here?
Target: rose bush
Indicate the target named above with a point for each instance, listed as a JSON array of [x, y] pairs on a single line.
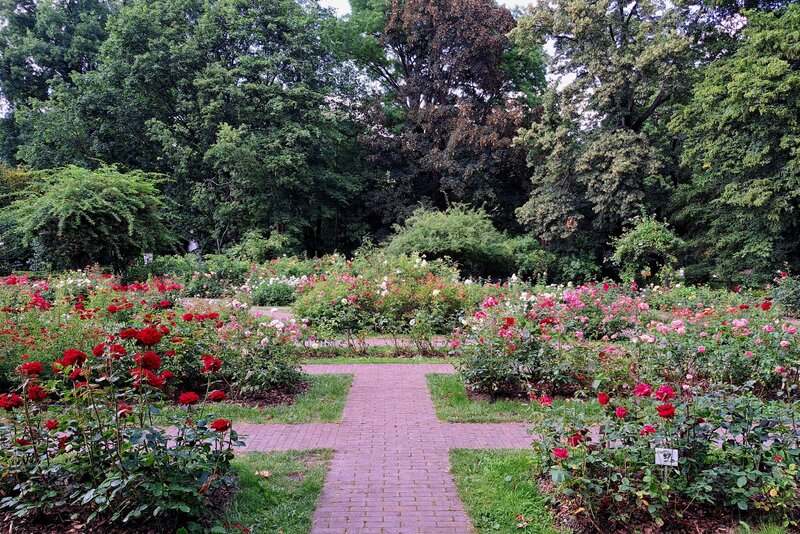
[[80, 437], [734, 451]]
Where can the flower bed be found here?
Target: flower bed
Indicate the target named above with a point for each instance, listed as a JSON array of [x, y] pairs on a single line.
[[87, 367]]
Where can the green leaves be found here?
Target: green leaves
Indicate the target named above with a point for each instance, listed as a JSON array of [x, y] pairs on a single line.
[[742, 136], [78, 216]]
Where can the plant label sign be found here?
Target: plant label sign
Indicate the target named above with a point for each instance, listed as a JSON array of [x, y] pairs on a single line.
[[667, 457]]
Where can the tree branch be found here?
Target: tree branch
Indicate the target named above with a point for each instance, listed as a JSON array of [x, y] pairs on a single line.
[[660, 98]]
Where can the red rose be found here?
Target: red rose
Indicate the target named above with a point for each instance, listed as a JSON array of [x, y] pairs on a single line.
[[665, 393], [666, 411], [167, 375], [51, 424], [98, 350], [211, 364], [9, 401], [124, 411], [148, 336], [128, 333], [37, 393], [621, 412], [22, 442], [221, 425], [148, 360], [766, 305], [188, 317], [575, 440], [72, 357], [508, 322], [188, 398], [561, 454], [544, 400], [643, 390], [216, 396], [76, 373], [646, 429], [603, 398], [31, 368], [117, 351]]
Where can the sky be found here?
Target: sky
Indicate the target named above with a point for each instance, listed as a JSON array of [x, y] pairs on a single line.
[[342, 7]]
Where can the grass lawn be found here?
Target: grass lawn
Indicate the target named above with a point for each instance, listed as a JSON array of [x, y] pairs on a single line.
[[282, 502], [322, 403], [498, 485], [452, 404]]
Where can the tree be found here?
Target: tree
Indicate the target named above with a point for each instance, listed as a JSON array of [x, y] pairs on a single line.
[[448, 91], [42, 42], [742, 138], [618, 65], [232, 99], [76, 216]]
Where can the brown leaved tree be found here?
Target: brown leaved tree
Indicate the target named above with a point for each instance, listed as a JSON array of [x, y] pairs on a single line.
[[448, 91]]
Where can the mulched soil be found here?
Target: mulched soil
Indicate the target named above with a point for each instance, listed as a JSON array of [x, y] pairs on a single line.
[[215, 505], [479, 396], [696, 519], [274, 397]]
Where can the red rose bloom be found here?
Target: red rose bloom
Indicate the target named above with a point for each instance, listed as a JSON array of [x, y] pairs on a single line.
[[766, 305], [575, 440], [117, 351], [98, 350], [544, 400], [72, 357], [22, 442], [148, 336], [167, 375], [124, 411], [621, 412], [188, 398], [643, 390], [666, 411], [9, 401], [646, 429], [508, 322], [561, 454], [216, 396], [128, 333], [148, 360], [188, 317], [51, 424], [221, 425], [665, 393], [31, 368], [211, 364], [603, 398], [37, 393]]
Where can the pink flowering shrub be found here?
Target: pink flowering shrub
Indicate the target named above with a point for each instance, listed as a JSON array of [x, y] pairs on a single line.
[[497, 349]]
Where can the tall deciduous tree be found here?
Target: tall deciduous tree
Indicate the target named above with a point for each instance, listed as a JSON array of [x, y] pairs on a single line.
[[232, 98], [742, 138], [42, 42], [595, 164], [449, 91]]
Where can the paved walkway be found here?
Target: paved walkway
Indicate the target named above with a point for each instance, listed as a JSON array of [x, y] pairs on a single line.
[[390, 471]]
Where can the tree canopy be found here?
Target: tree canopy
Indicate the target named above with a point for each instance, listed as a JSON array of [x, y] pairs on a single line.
[[559, 126]]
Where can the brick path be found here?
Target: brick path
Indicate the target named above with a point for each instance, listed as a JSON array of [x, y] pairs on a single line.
[[390, 470]]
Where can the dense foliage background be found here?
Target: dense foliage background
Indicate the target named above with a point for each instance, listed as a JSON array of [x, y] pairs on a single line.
[[557, 134]]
